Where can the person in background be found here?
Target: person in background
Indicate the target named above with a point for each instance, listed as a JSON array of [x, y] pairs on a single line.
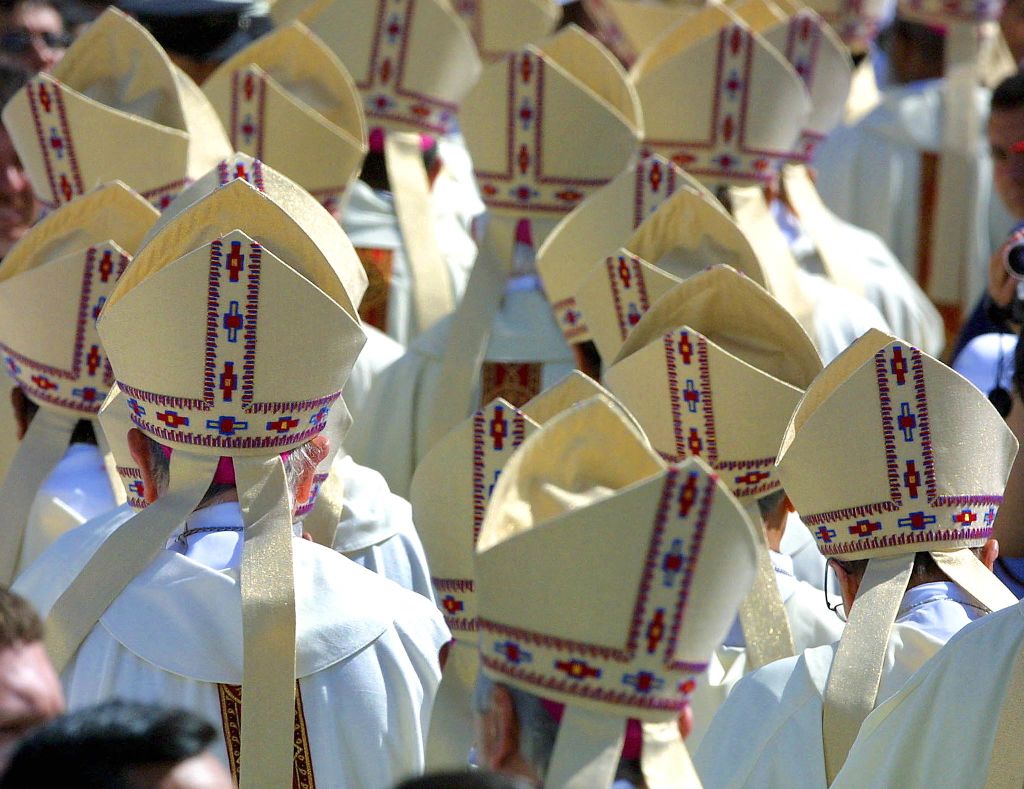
[[119, 745], [475, 779], [30, 692], [18, 206], [32, 34]]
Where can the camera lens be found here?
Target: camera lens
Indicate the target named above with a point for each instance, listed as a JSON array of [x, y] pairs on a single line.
[[1014, 258]]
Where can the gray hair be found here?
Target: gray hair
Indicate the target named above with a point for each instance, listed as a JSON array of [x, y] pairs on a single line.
[[537, 729]]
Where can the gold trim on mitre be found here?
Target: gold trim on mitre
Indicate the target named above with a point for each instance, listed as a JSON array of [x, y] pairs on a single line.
[[413, 61], [114, 84], [745, 105], [584, 499], [877, 458], [500, 27], [714, 369], [597, 226], [286, 99], [521, 122]]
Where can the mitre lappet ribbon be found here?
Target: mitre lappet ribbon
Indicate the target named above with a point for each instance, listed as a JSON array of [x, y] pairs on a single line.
[[664, 759], [587, 749], [766, 629], [268, 623], [44, 444], [322, 521], [432, 285], [853, 680], [124, 555], [449, 714], [820, 224]]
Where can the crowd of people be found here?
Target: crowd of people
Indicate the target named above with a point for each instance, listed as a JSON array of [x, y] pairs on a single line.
[[508, 393]]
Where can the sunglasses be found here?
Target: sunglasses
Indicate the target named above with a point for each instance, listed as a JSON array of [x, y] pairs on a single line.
[[18, 42]]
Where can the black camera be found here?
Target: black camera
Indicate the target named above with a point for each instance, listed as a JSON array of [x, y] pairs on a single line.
[[1013, 262]]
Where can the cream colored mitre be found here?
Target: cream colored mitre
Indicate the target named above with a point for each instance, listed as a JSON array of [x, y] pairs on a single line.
[[881, 460], [115, 107], [287, 100], [714, 369], [501, 27], [412, 60], [628, 27], [597, 226], [856, 22], [583, 500], [684, 236], [521, 123], [53, 284], [744, 104], [818, 56]]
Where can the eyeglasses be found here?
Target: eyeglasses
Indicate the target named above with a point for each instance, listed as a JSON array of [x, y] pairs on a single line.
[[839, 608], [18, 42]]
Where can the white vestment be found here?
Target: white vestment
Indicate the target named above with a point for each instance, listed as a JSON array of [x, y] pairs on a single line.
[[939, 729], [367, 672], [379, 352], [77, 490], [377, 531], [887, 286], [840, 317], [810, 621], [369, 220], [768, 732], [391, 434], [870, 175]]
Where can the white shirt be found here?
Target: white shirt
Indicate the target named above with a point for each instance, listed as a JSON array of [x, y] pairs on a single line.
[[367, 673], [940, 727], [391, 435], [78, 489], [775, 712]]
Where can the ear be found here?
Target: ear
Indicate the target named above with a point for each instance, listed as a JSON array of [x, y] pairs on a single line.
[[138, 445], [686, 721], [500, 741], [990, 552], [319, 448], [20, 404]]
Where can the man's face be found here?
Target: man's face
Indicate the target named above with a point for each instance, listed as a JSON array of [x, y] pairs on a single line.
[[1011, 22], [30, 694], [33, 36], [1005, 131], [18, 207]]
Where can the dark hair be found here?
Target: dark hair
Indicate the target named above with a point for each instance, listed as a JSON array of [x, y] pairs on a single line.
[[97, 747], [12, 79], [478, 779], [925, 569], [1009, 94], [375, 171], [19, 622], [766, 505], [194, 36]]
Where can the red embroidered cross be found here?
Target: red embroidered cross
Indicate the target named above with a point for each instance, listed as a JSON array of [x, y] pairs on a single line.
[[88, 394], [695, 444], [898, 365], [906, 422], [752, 477], [44, 97], [916, 521], [452, 605], [65, 188], [320, 416], [825, 534], [136, 409], [912, 478], [524, 159], [688, 687], [654, 177], [43, 382], [526, 68], [228, 381], [655, 631], [106, 267], [57, 143], [93, 359], [283, 425], [172, 419], [691, 396], [634, 315], [233, 321], [248, 129], [625, 273], [137, 488], [990, 516], [98, 308], [685, 348], [513, 653], [499, 428], [241, 172], [965, 518], [865, 528], [249, 86], [687, 495], [236, 261], [643, 681], [578, 669]]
